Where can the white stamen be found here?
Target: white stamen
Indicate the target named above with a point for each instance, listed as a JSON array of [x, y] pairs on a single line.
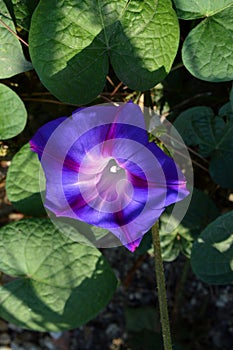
[[114, 169]]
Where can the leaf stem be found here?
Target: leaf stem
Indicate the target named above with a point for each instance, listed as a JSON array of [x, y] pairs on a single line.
[[160, 279], [12, 32]]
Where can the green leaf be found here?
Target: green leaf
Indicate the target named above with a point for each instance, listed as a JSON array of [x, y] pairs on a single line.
[[23, 10], [9, 6], [207, 51], [193, 9], [226, 110], [196, 125], [199, 126], [201, 211], [13, 115], [71, 47], [99, 232], [212, 253], [25, 182], [213, 134], [12, 59], [60, 284], [145, 45], [221, 166]]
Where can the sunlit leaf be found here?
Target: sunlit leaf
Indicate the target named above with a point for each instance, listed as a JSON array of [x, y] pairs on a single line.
[[12, 59], [13, 115], [60, 284], [207, 50], [200, 8], [24, 182], [71, 47]]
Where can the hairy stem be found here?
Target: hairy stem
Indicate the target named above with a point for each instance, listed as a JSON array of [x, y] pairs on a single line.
[[160, 279]]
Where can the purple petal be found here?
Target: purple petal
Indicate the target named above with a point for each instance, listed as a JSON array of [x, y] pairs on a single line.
[[101, 169], [133, 245], [40, 139]]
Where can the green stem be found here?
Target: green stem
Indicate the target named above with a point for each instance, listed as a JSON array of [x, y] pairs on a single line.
[[160, 279]]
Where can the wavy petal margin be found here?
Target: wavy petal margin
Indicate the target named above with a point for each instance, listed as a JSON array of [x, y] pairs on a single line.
[[100, 168]]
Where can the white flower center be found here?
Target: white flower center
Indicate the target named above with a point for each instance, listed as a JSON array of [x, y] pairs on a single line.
[[104, 183], [114, 169]]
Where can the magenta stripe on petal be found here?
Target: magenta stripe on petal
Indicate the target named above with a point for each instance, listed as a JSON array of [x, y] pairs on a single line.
[[100, 168]]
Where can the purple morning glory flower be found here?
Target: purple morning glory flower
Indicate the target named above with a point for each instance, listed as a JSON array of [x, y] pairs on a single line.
[[100, 168]]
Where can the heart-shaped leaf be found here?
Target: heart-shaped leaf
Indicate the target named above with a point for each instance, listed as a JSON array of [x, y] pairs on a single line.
[[212, 253], [207, 50], [12, 59], [13, 115], [197, 126], [199, 8], [25, 182], [60, 284], [213, 134], [71, 47]]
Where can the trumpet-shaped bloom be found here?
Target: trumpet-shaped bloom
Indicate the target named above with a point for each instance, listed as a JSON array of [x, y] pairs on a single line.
[[100, 168]]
